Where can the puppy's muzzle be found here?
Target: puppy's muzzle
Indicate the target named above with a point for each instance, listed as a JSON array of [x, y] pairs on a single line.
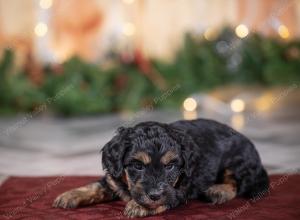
[[155, 194]]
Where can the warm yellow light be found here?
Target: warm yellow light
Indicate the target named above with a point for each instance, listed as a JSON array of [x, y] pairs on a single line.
[[45, 4], [190, 104], [283, 31], [210, 34], [241, 31], [128, 1], [41, 29], [238, 121], [190, 115], [264, 103], [129, 29], [237, 105]]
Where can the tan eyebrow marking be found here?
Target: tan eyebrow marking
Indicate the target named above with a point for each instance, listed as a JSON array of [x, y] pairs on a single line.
[[143, 157], [168, 157], [126, 179]]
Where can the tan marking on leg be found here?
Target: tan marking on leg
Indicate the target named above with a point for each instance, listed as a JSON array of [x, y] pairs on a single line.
[[111, 182], [143, 157], [82, 196], [117, 188], [220, 193], [160, 209], [133, 209], [228, 178], [168, 157]]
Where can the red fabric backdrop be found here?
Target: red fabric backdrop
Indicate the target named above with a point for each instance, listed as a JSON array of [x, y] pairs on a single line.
[[31, 198]]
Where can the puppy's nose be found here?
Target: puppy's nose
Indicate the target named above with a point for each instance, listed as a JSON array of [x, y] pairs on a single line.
[[154, 195]]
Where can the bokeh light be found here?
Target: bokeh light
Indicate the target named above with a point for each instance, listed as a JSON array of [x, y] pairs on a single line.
[[265, 102], [241, 31], [283, 32], [45, 4], [238, 121], [210, 34], [190, 115], [41, 29], [237, 105], [129, 29], [128, 1], [190, 104]]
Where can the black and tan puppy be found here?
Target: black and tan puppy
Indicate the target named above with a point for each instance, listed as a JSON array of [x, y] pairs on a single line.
[[155, 167]]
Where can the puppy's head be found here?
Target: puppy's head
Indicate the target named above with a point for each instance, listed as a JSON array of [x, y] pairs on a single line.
[[151, 157]]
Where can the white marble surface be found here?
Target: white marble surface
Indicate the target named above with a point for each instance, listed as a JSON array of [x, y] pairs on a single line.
[[53, 146]]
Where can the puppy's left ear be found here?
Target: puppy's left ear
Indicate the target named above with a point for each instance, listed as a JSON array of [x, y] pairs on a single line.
[[189, 152], [113, 152]]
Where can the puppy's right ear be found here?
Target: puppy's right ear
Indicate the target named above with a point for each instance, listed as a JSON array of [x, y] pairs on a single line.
[[113, 152]]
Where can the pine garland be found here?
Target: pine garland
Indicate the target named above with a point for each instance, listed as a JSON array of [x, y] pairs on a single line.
[[81, 88]]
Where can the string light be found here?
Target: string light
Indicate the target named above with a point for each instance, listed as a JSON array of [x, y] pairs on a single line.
[[190, 104], [264, 103], [283, 31], [129, 29], [190, 115], [45, 4], [41, 29], [241, 31], [237, 105], [238, 121], [128, 1], [210, 34]]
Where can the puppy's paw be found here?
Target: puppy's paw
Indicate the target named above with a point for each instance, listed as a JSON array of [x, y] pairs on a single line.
[[133, 210], [69, 199], [86, 195], [221, 193]]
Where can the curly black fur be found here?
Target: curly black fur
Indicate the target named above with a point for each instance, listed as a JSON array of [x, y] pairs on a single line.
[[204, 150]]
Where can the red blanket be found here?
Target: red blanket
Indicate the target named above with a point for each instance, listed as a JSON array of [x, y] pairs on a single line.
[[31, 198]]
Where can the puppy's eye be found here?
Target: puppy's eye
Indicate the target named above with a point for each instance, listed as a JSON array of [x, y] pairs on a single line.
[[169, 166], [138, 166]]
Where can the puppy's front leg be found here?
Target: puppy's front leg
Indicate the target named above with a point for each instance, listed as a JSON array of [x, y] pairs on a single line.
[[90, 194], [133, 210], [221, 193]]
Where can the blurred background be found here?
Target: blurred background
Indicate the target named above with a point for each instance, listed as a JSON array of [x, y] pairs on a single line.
[[72, 71]]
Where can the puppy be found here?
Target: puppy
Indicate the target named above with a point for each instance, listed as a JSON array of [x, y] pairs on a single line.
[[154, 167]]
